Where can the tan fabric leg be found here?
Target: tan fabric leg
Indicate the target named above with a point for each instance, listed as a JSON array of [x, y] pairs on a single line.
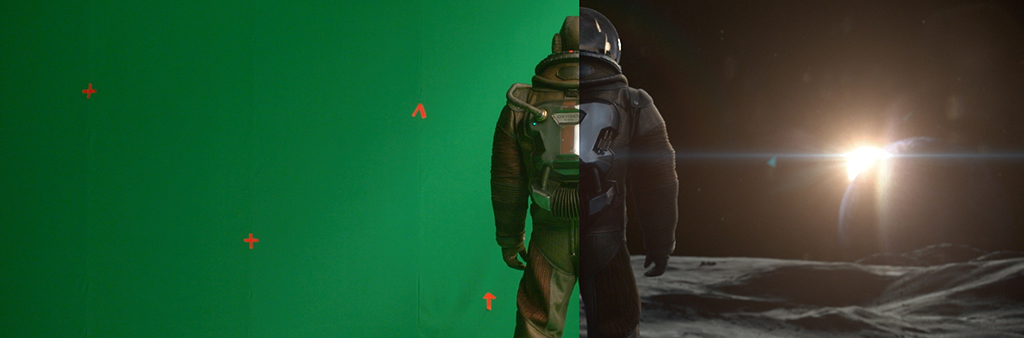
[[543, 298]]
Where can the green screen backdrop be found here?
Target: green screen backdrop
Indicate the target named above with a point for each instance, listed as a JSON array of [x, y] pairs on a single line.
[[123, 214]]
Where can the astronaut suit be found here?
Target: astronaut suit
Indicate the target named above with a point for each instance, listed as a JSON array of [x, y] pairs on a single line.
[[627, 160], [566, 149]]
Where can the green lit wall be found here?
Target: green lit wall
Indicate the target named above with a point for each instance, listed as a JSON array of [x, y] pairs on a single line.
[[123, 214]]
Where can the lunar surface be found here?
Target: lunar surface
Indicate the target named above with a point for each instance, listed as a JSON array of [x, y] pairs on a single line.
[[939, 291]]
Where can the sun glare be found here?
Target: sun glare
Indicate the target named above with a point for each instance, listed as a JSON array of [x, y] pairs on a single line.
[[862, 158]]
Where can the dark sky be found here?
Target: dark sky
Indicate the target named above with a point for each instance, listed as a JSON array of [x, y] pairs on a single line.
[[815, 77]]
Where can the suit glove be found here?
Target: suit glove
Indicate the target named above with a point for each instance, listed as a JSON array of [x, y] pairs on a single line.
[[512, 246], [660, 264]]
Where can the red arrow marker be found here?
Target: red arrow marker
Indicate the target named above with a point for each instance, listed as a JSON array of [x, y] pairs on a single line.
[[419, 108], [488, 297]]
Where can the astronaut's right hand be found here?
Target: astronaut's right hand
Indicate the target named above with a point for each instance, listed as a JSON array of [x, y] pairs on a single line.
[[512, 246], [660, 264]]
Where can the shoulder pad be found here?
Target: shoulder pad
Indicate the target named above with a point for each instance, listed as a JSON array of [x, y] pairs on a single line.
[[638, 98]]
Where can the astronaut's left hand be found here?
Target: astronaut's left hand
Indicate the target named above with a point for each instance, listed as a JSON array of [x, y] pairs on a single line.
[[660, 264], [510, 254], [511, 248]]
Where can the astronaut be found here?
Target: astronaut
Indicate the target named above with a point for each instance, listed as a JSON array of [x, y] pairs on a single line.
[[625, 159], [536, 157]]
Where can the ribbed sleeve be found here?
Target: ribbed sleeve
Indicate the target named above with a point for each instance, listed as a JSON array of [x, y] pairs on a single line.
[[509, 183], [654, 188]]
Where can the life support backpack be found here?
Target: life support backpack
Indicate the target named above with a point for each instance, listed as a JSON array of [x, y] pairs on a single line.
[[549, 136]]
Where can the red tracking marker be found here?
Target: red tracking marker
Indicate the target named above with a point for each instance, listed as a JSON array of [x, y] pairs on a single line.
[[419, 108], [251, 240], [488, 297], [88, 92]]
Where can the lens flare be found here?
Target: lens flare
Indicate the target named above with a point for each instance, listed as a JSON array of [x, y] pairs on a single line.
[[861, 159]]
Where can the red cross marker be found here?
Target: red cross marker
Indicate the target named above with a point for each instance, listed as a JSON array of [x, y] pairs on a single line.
[[88, 92], [251, 240]]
